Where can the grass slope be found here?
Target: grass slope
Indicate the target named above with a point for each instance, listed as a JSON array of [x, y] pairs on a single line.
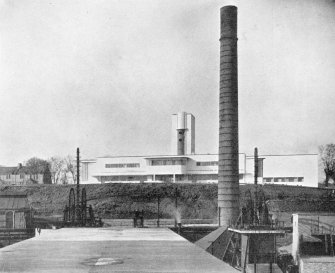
[[120, 200]]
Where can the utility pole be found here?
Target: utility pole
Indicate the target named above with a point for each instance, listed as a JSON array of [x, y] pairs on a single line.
[[256, 220], [256, 165], [176, 207], [78, 189]]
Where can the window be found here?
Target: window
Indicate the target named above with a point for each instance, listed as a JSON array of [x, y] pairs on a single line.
[[207, 163], [123, 165], [283, 179], [132, 165], [166, 162], [8, 176], [21, 175]]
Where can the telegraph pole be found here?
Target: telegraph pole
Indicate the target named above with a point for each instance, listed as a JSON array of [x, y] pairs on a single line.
[[78, 189], [256, 220], [256, 166]]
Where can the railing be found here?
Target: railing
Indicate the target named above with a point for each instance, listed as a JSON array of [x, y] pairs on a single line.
[[317, 226], [323, 231]]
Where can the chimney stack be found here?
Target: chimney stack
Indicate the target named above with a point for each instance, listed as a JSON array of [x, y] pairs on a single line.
[[228, 183]]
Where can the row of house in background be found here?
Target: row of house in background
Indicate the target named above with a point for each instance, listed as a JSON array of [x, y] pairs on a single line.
[[21, 175]]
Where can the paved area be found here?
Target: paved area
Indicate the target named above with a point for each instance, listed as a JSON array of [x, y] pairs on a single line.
[[108, 250]]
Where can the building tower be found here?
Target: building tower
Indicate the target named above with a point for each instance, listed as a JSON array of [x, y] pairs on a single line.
[[183, 134], [228, 173]]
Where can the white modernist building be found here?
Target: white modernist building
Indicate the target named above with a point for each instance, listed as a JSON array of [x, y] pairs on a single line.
[[184, 166], [298, 169]]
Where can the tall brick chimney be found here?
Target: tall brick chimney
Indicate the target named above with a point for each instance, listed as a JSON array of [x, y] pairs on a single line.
[[228, 184]]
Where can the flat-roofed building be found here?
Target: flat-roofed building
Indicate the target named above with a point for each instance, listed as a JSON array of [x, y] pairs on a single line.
[[185, 166], [297, 169]]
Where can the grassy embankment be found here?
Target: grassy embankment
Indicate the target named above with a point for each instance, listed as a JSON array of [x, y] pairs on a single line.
[[121, 200]]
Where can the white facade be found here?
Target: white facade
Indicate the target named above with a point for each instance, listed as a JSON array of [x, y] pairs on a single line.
[[184, 166], [295, 170], [182, 134]]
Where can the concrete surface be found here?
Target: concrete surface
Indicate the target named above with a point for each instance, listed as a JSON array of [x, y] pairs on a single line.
[[108, 250], [313, 264]]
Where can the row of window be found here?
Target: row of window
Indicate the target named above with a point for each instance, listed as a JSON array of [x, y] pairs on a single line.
[[22, 176], [123, 165], [283, 179], [165, 162], [121, 178], [207, 163]]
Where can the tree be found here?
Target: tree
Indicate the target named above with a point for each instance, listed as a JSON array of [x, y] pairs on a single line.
[[57, 170], [71, 168], [37, 166], [327, 155], [63, 169]]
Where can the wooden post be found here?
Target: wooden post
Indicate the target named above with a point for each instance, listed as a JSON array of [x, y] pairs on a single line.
[[318, 224], [176, 206], [326, 244], [158, 201], [331, 242], [255, 256]]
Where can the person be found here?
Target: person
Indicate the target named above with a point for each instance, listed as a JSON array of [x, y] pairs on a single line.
[[37, 230], [137, 215]]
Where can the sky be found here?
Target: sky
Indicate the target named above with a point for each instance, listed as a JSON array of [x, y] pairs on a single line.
[[105, 76]]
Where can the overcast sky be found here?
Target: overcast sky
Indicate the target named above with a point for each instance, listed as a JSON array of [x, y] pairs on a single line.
[[106, 76]]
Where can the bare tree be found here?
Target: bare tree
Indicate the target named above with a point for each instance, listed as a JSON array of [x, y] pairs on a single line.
[[63, 169], [71, 168], [327, 155], [57, 169]]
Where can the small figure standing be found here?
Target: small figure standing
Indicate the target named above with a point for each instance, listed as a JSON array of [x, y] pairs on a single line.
[[136, 217]]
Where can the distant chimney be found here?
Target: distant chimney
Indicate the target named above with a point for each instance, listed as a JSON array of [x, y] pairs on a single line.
[[183, 134]]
